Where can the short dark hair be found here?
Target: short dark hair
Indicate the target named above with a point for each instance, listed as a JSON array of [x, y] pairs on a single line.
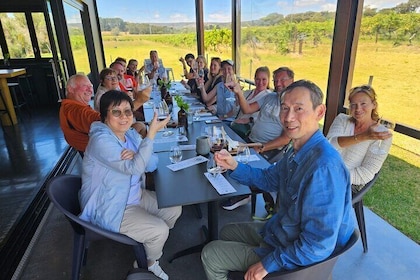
[[122, 59], [112, 98], [188, 56], [289, 71], [315, 92], [105, 72]]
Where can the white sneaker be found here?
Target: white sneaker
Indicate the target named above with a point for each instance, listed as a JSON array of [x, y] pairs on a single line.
[[157, 270]]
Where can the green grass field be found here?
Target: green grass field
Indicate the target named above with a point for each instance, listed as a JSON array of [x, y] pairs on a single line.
[[396, 71]]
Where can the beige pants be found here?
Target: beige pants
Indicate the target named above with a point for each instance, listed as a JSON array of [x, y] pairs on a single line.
[[148, 224]]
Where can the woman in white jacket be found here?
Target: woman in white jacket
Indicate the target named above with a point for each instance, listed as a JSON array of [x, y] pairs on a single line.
[[353, 135], [113, 194]]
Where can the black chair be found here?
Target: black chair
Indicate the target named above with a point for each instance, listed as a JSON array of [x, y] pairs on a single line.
[[357, 201], [63, 191], [319, 271]]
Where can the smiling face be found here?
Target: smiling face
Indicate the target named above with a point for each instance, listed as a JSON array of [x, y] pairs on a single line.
[[80, 88], [110, 81], [298, 117], [261, 81], [119, 124], [281, 81], [133, 65], [361, 106], [120, 69], [214, 67]]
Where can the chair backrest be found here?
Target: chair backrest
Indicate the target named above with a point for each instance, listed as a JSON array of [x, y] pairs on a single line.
[[359, 195], [148, 61], [63, 192], [318, 271]]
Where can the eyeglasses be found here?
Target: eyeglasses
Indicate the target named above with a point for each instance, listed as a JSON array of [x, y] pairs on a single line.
[[117, 113], [109, 78], [281, 80]]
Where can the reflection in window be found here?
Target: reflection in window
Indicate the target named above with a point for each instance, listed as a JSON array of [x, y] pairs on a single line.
[[17, 35], [42, 34]]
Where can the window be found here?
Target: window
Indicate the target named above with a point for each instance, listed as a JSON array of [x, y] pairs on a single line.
[[17, 35]]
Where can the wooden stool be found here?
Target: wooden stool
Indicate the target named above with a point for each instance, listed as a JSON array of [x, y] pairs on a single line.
[[5, 110], [25, 86], [18, 102]]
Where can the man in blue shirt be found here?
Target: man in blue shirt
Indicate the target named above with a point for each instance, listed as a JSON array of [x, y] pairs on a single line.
[[315, 216]]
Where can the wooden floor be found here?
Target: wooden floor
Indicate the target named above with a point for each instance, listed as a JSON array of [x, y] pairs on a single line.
[[30, 150]]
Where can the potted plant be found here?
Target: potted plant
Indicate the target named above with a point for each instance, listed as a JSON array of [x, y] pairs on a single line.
[[182, 113], [164, 86]]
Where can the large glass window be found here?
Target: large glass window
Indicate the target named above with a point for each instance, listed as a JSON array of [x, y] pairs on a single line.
[[17, 35], [283, 33], [389, 51], [42, 34], [167, 27], [218, 29], [77, 38]]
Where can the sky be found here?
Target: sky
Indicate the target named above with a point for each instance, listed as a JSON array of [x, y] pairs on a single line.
[[164, 11]]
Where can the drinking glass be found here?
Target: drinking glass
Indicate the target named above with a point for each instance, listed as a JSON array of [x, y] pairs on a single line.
[[212, 167], [243, 154], [383, 127], [162, 110], [144, 82], [175, 155]]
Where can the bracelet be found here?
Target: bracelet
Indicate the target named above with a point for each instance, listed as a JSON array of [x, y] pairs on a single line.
[[355, 138]]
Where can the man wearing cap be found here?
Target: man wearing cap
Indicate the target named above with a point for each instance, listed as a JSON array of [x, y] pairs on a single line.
[[225, 98]]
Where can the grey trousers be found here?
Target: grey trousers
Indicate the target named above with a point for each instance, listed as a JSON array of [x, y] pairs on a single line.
[[234, 251], [148, 224]]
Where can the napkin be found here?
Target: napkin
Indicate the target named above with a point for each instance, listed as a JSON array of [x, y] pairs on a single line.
[[220, 183], [187, 163]]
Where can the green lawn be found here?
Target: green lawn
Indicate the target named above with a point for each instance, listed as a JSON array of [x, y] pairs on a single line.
[[396, 71]]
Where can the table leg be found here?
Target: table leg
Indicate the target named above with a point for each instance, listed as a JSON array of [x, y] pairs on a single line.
[[9, 103], [211, 232]]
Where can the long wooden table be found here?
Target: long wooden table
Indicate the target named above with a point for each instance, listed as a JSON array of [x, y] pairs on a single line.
[[190, 186], [4, 75]]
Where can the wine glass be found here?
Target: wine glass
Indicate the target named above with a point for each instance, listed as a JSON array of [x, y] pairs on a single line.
[[383, 126], [175, 155], [243, 154], [145, 82], [162, 110], [212, 167]]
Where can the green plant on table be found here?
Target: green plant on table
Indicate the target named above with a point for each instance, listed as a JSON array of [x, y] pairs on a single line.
[[181, 103], [164, 84]]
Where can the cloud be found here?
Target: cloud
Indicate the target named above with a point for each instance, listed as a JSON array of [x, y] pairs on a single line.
[[329, 7], [178, 17], [218, 16], [306, 3], [380, 4]]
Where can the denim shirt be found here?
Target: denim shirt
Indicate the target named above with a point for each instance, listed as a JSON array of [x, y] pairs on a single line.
[[315, 214]]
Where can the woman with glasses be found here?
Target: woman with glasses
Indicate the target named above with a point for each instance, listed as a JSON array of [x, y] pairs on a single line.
[[113, 179], [109, 81], [353, 136]]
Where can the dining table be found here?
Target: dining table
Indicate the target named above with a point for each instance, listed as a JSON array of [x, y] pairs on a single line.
[[190, 186], [8, 101]]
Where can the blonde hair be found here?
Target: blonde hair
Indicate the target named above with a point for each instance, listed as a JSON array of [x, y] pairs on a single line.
[[369, 91]]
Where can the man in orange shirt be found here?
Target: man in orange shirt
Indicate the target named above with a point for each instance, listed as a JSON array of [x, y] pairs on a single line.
[[76, 115]]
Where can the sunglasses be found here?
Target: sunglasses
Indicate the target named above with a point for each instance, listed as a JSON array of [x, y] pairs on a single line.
[[117, 113]]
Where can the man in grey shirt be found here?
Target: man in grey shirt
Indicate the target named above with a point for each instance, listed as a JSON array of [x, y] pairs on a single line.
[[266, 129]]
